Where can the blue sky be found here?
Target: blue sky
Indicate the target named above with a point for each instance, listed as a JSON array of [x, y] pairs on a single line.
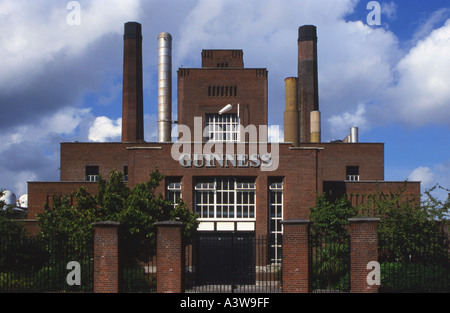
[[61, 82]]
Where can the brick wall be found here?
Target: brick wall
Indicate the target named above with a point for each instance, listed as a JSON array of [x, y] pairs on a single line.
[[364, 249], [295, 256], [194, 99], [107, 267], [170, 257], [337, 156], [40, 193]]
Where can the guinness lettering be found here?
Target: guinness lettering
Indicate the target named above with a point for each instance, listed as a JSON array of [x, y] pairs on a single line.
[[225, 160]]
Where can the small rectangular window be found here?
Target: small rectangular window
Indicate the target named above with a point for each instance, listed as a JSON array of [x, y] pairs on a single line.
[[352, 173], [174, 190], [92, 173], [125, 173]]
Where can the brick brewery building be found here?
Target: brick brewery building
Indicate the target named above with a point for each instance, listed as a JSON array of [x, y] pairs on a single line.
[[234, 180]]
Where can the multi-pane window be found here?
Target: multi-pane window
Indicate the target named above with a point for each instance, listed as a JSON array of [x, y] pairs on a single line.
[[275, 217], [225, 198], [222, 127], [352, 173], [92, 173], [174, 190]]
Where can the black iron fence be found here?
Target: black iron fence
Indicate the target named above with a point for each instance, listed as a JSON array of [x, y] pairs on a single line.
[[409, 263], [39, 264], [329, 264], [139, 277], [232, 263]]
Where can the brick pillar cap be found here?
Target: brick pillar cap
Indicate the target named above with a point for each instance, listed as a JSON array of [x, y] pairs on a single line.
[[106, 224], [295, 221], [169, 224], [364, 220]]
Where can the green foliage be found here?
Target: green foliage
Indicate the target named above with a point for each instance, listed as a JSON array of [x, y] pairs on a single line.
[[407, 225], [410, 237], [136, 280], [330, 243], [413, 277], [136, 209], [330, 219]]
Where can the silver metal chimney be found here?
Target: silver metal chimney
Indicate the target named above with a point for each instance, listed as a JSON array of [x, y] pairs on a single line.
[[354, 135], [164, 87]]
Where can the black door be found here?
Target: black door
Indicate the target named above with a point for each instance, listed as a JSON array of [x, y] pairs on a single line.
[[226, 259]]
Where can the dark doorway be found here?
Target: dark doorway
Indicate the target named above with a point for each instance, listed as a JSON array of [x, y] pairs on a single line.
[[226, 259]]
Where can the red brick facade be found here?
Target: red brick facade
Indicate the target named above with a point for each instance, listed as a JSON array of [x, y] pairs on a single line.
[[170, 257], [107, 269], [364, 249], [296, 256]]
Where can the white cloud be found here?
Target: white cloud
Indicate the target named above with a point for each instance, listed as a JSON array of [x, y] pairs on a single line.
[[437, 174], [37, 31], [422, 174], [389, 9], [105, 129], [341, 124], [275, 133], [62, 123], [421, 95]]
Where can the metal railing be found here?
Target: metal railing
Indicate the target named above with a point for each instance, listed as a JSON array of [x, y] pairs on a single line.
[[37, 264], [329, 265], [411, 264], [232, 263]]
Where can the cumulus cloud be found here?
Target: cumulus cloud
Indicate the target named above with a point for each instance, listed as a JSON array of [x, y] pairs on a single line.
[[31, 152], [105, 129], [421, 95], [341, 124], [437, 174], [422, 174], [275, 133]]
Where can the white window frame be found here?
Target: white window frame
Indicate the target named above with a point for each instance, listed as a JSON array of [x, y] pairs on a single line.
[[174, 188], [226, 199], [222, 127], [275, 227]]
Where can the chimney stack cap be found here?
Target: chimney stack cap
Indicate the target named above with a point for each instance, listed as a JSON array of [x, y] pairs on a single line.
[[133, 30], [164, 35], [307, 33]]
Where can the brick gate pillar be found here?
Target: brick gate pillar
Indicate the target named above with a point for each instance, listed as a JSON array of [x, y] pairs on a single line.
[[295, 256], [107, 268], [169, 257], [364, 249]]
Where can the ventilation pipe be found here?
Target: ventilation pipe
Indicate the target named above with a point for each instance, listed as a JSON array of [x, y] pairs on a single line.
[[164, 87]]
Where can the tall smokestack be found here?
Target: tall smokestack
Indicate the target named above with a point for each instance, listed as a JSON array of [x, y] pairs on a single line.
[[164, 87], [308, 94], [133, 95], [291, 114]]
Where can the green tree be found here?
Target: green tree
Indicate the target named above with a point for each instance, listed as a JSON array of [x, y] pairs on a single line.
[[330, 219], [137, 209]]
